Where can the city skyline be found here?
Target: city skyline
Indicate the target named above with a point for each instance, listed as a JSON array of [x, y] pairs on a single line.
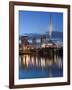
[[40, 54], [38, 22]]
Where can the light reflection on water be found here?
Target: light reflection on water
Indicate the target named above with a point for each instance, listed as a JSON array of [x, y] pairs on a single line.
[[32, 66]]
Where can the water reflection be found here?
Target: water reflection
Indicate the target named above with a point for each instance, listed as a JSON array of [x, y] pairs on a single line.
[[32, 66], [35, 61]]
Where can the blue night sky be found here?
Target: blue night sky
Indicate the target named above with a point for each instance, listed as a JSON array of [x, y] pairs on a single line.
[[38, 22]]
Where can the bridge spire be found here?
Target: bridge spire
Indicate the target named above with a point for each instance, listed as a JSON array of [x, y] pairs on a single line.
[[50, 27]]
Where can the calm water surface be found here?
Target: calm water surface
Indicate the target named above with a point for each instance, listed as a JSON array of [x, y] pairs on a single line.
[[35, 66]]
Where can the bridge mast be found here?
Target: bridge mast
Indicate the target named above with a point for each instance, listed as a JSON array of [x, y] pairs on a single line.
[[50, 27]]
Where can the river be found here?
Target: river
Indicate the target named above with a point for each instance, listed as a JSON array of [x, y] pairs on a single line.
[[35, 66]]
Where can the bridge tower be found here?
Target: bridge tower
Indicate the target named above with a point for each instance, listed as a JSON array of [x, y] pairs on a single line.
[[50, 28]]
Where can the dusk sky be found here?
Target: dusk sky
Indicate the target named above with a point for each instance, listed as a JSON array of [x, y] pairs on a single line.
[[38, 22]]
